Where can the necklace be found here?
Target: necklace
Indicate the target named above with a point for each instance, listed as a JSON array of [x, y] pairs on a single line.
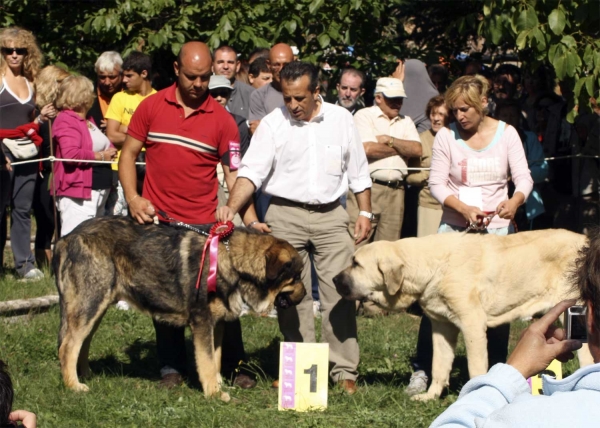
[[90, 125]]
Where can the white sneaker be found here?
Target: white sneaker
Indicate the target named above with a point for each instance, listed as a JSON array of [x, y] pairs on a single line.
[[317, 308], [122, 305], [417, 384], [273, 313], [34, 275]]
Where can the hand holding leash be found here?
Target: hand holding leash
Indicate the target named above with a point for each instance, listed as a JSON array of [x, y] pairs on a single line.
[[141, 209], [543, 342], [507, 209], [224, 214]]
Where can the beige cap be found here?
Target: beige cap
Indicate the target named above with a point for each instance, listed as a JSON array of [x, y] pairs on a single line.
[[218, 81], [390, 87]]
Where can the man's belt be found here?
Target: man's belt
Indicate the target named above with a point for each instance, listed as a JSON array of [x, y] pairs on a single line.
[[396, 184], [309, 207]]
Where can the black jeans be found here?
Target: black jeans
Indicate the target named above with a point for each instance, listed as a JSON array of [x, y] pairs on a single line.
[[497, 345], [170, 342]]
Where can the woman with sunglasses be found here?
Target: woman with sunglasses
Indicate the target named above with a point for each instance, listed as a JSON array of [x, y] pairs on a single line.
[[20, 60]]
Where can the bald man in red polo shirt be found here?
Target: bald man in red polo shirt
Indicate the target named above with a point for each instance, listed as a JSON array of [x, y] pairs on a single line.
[[186, 134]]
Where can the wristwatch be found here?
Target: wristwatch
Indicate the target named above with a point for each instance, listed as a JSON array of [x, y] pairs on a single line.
[[391, 143], [367, 214]]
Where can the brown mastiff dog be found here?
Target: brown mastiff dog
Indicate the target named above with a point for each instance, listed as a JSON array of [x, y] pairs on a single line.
[[155, 268]]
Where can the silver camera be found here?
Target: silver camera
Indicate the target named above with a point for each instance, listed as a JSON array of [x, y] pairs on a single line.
[[575, 324]]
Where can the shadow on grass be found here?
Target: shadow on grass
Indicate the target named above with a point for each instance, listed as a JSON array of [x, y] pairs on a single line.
[[143, 362], [264, 362]]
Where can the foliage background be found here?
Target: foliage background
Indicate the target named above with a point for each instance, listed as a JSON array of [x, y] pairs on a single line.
[[369, 34]]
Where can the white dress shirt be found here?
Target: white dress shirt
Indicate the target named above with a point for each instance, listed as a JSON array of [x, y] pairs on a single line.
[[309, 162]]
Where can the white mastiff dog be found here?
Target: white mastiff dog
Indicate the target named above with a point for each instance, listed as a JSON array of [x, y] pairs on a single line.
[[465, 282]]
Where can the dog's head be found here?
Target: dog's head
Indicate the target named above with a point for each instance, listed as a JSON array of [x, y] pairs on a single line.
[[270, 273], [376, 275]]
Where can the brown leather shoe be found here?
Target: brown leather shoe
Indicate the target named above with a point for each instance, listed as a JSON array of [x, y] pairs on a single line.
[[170, 381], [349, 386], [244, 381], [275, 384]]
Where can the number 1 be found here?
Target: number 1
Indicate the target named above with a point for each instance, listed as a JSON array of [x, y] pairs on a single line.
[[312, 371]]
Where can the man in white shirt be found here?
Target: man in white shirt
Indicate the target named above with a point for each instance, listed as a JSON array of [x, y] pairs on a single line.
[[306, 154]]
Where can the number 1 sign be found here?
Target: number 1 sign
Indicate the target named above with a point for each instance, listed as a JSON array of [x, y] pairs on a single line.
[[303, 376]]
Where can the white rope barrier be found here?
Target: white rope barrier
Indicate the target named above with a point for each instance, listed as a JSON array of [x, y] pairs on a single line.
[[55, 159]]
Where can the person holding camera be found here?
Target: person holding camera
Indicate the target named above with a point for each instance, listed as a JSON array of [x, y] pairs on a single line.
[[502, 397], [9, 417]]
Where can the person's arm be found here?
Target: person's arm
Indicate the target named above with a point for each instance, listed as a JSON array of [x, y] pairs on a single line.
[[114, 133], [541, 343], [247, 211], [420, 177], [363, 224], [140, 208], [359, 182], [521, 176], [257, 111], [255, 167], [69, 138], [405, 148], [238, 197]]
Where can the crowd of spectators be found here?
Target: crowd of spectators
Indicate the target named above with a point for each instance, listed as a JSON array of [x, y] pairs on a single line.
[[436, 152]]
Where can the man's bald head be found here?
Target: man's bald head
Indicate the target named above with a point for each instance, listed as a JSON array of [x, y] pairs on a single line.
[[193, 69], [280, 55], [194, 52]]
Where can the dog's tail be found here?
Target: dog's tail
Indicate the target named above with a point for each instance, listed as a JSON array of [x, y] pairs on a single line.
[[59, 260]]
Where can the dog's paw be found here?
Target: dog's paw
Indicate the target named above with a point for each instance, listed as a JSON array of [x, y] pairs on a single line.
[[423, 397], [80, 387], [225, 397]]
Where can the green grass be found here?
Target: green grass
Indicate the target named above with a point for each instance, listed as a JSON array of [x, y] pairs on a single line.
[[123, 389]]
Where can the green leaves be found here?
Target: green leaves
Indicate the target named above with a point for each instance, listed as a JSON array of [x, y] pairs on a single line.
[[324, 40], [315, 5], [557, 21], [527, 20]]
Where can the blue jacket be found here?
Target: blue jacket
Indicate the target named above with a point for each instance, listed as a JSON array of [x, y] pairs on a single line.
[[502, 398]]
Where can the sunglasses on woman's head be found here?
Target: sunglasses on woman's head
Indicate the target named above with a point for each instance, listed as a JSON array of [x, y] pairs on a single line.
[[9, 51]]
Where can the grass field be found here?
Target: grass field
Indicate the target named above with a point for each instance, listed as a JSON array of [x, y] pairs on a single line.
[[123, 390]]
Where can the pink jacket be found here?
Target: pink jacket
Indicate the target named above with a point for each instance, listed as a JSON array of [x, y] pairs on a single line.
[[72, 140]]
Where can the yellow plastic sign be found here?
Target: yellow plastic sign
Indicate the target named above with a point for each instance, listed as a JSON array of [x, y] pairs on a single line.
[[303, 376], [554, 370]]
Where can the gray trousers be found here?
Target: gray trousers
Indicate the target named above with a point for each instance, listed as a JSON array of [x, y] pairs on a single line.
[[22, 189], [325, 236]]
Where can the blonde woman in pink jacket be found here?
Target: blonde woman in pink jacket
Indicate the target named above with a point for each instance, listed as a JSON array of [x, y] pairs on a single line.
[[471, 164]]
